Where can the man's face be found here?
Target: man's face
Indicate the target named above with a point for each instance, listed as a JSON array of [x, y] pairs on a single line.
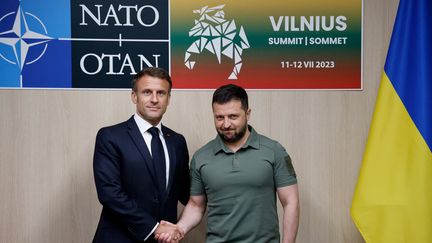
[[151, 98], [230, 120]]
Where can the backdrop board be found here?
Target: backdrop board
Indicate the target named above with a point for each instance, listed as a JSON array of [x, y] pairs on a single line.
[[259, 45], [281, 44]]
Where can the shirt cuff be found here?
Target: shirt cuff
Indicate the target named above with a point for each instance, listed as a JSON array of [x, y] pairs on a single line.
[[152, 231]]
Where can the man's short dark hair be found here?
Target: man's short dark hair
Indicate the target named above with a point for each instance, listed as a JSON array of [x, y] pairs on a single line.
[[226, 93], [155, 72]]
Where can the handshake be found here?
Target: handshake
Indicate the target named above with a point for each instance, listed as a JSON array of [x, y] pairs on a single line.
[[168, 232]]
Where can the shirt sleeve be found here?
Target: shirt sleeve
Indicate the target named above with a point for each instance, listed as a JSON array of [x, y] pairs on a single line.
[[197, 187], [152, 231], [283, 170]]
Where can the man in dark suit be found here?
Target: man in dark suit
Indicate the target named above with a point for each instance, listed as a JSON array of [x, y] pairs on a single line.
[[140, 167]]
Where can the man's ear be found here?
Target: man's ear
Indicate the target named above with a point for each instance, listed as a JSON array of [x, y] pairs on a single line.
[[134, 97]]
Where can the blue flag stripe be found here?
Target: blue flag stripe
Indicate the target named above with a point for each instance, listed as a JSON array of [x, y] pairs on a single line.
[[409, 62]]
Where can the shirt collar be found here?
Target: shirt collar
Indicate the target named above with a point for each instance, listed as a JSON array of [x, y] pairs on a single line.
[[144, 125], [252, 141]]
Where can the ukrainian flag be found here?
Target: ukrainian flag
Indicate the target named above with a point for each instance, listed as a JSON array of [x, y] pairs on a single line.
[[393, 199]]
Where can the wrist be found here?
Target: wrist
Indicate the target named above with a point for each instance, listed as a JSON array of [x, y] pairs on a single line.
[[182, 228]]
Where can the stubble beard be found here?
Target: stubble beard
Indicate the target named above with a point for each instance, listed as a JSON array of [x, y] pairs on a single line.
[[237, 135]]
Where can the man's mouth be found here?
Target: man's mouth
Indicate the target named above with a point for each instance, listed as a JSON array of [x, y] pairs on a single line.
[[228, 131]]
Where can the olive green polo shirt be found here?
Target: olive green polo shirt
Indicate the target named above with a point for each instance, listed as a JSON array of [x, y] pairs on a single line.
[[241, 188]]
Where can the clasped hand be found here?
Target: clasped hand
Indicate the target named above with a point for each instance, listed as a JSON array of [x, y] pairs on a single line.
[[167, 232]]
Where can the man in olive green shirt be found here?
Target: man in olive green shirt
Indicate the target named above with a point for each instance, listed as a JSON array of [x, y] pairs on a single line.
[[237, 175]]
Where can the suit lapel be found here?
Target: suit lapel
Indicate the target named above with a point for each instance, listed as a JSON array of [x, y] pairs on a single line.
[[172, 156], [138, 139]]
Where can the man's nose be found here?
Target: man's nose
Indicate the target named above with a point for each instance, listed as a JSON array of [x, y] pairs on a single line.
[[226, 123], [154, 97]]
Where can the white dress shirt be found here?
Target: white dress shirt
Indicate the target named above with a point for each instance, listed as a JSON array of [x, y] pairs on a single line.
[[143, 126]]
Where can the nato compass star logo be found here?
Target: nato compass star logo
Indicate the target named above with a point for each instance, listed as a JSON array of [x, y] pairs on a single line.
[[22, 39]]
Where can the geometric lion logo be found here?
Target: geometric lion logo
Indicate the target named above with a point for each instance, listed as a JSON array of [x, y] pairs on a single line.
[[214, 33]]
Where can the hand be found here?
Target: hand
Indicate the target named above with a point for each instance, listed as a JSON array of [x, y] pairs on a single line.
[[167, 232]]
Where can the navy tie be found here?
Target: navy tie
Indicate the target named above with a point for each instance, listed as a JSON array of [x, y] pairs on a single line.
[[158, 157]]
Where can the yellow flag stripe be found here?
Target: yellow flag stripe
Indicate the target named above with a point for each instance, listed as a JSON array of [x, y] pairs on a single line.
[[392, 201]]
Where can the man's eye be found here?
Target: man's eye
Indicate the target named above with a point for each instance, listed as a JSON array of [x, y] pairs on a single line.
[[161, 93], [147, 92]]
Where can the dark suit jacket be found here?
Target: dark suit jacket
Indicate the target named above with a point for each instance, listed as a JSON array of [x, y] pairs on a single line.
[[127, 186]]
